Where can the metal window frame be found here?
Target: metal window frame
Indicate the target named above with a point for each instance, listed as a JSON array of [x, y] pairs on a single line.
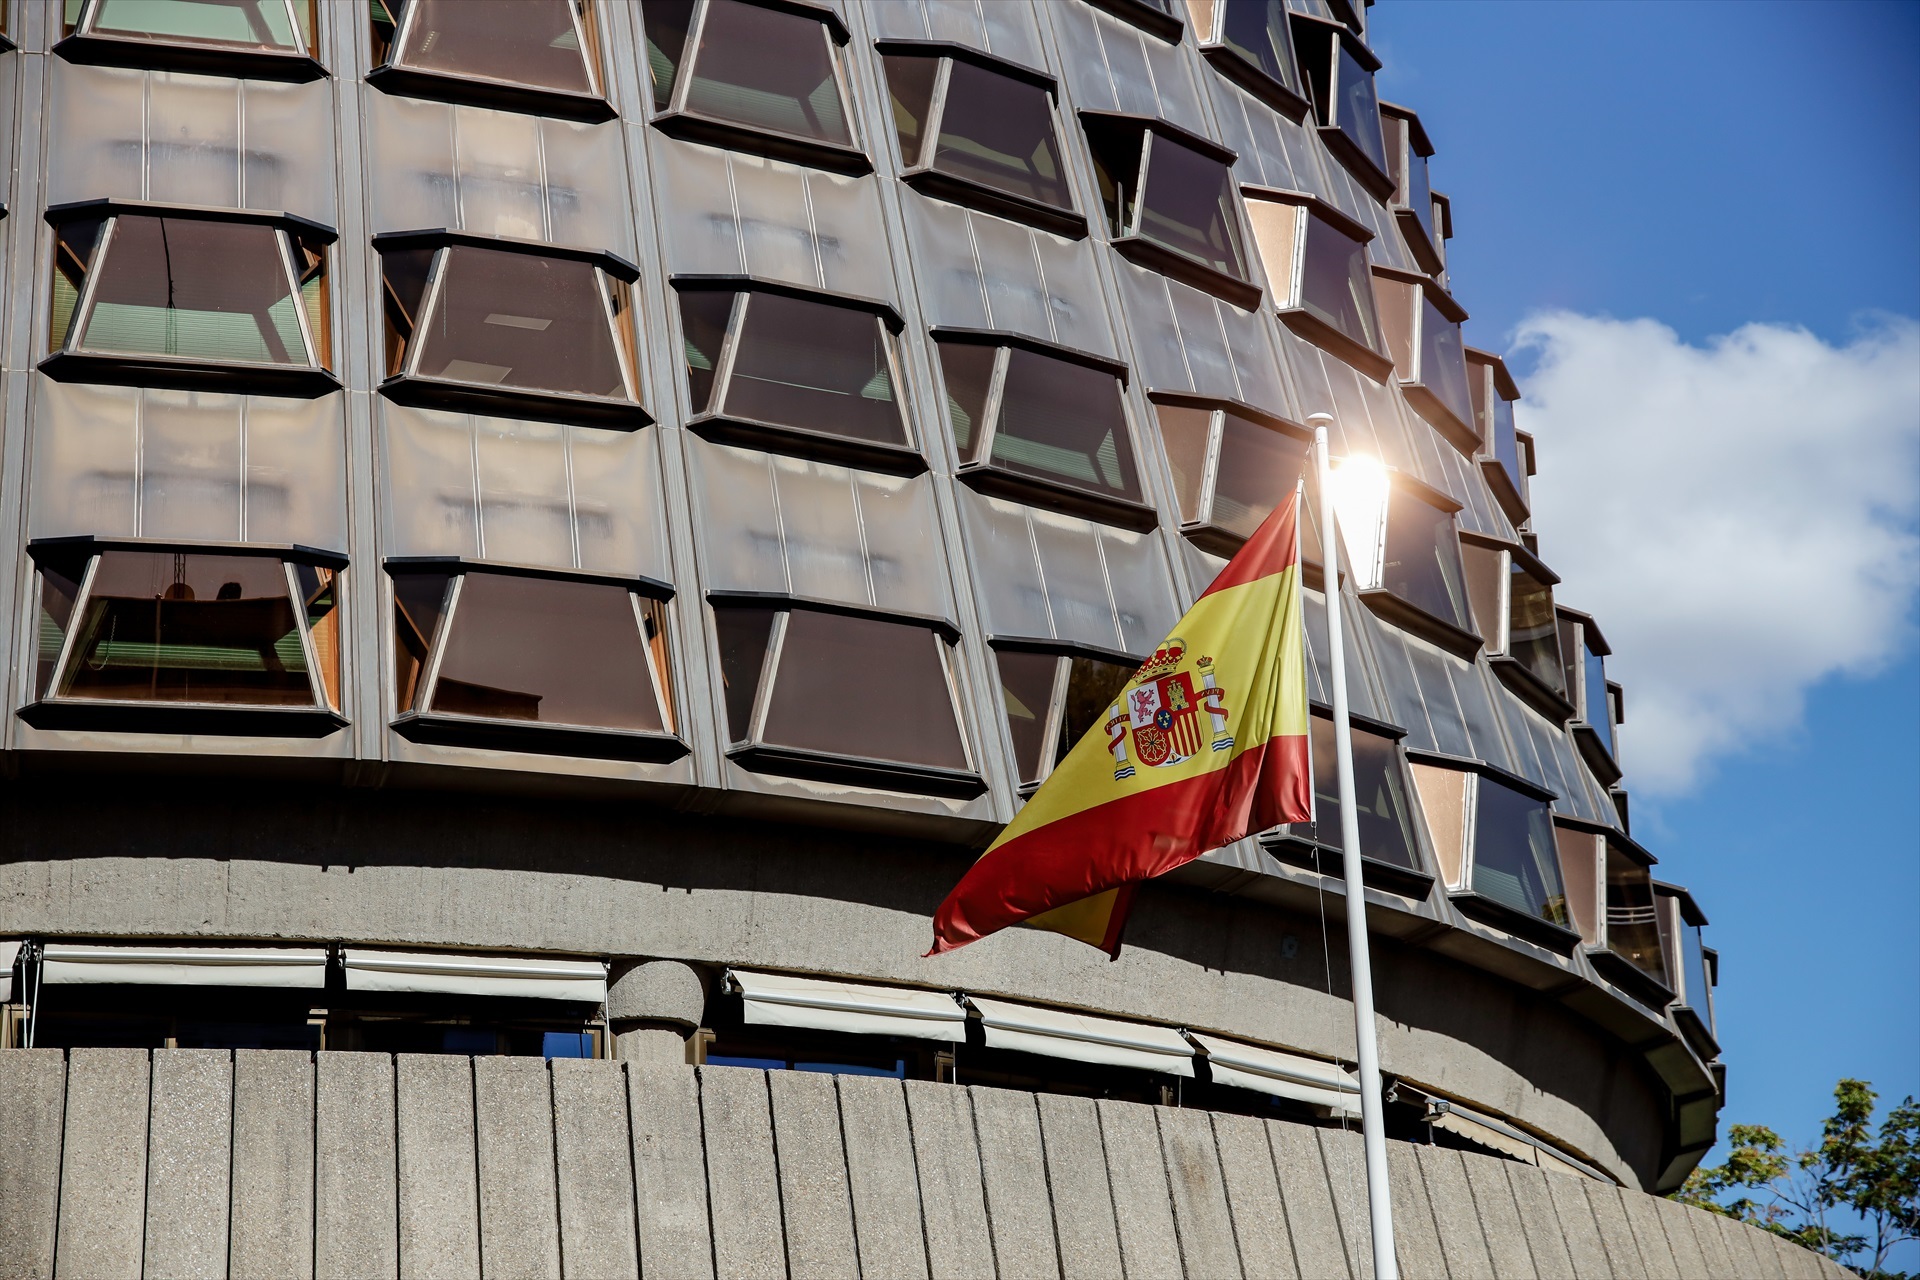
[[1452, 634], [1286, 98], [1200, 528], [1063, 652], [88, 46], [1374, 360], [1346, 149], [398, 76]]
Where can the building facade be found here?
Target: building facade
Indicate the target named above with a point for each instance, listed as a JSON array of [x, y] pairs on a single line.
[[559, 528]]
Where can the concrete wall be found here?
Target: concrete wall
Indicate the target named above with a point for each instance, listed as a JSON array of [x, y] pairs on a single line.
[[117, 1162]]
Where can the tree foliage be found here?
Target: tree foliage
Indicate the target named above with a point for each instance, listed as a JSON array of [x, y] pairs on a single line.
[[1873, 1174]]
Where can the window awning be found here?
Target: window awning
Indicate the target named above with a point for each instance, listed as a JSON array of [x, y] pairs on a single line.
[[519, 977], [186, 966], [1498, 1136], [1057, 1034], [1283, 1075], [780, 1000], [9, 952]]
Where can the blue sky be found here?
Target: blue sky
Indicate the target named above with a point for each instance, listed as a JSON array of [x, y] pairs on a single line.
[[1724, 167]]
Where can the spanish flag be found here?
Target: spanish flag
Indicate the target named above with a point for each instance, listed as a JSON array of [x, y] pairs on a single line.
[[1205, 744]]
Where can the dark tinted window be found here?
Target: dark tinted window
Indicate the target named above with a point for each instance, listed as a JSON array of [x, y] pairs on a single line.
[[997, 131], [1336, 284], [1632, 930], [1357, 112], [1257, 31], [758, 67], [743, 636], [799, 364], [240, 24], [59, 591], [1533, 636], [1594, 669], [1189, 206], [530, 42], [1515, 861], [1026, 691], [1038, 704], [1443, 361], [1380, 796], [1506, 446], [1422, 562], [1058, 421], [968, 369]]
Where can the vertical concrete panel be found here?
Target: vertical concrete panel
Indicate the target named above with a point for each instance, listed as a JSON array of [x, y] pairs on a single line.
[[1687, 1258], [881, 1177], [1798, 1263], [1727, 1254], [438, 1203], [1758, 1245], [1499, 1216], [1082, 1197], [1019, 1209], [1346, 1158], [1142, 1204], [271, 1236], [669, 1173], [743, 1184], [1199, 1193], [1546, 1239], [33, 1096], [103, 1171], [189, 1172], [1462, 1241], [1578, 1230], [1643, 1220], [953, 1200], [1311, 1218], [355, 1232], [513, 1138], [1616, 1236], [814, 1201], [595, 1161], [1253, 1197], [1416, 1238]]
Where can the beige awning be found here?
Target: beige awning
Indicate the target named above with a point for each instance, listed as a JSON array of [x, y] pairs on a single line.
[[184, 966], [1082, 1038], [783, 1000], [448, 973], [1281, 1075]]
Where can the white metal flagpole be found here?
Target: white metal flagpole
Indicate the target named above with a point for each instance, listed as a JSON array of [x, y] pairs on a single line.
[[1372, 1125]]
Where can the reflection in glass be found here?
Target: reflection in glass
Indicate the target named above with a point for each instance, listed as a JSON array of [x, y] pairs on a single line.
[[998, 131], [968, 371], [1422, 559], [800, 364], [1058, 421], [1337, 286], [530, 42], [1506, 445], [910, 82], [1515, 861], [1357, 112], [1026, 691], [1698, 995], [1599, 714], [1189, 206], [1187, 433], [1052, 701], [1443, 361], [240, 24], [1533, 634], [756, 66], [59, 590], [743, 636], [1380, 793], [1257, 30], [1633, 931]]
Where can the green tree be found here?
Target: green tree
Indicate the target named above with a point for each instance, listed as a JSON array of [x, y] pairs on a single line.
[[1876, 1175]]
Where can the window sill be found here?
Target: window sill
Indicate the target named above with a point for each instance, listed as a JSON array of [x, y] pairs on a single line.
[[1299, 851], [832, 156], [1002, 204], [1598, 758], [545, 739], [1154, 256], [1534, 929], [1630, 978], [214, 720], [1256, 82], [1459, 433], [412, 82], [515, 402], [1357, 162], [858, 771], [1694, 1028], [1531, 689], [177, 374], [985, 477], [1376, 365], [770, 437], [1504, 491], [1153, 21], [96, 50], [1455, 639]]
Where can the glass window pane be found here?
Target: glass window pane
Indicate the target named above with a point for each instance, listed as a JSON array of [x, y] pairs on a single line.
[[1420, 193], [1632, 932], [998, 131], [1533, 635], [320, 596], [532, 42], [59, 589], [1699, 993], [1257, 31], [1443, 361], [1514, 858], [199, 290], [513, 319], [910, 95], [259, 24], [1380, 794], [1422, 563], [1358, 110], [743, 635], [1190, 202], [1579, 855], [968, 370], [1598, 713], [862, 687], [1026, 689], [1186, 431], [703, 321], [1093, 688], [1258, 468], [820, 368], [418, 601], [767, 70], [1336, 285], [168, 627], [1506, 445], [667, 22], [1066, 423], [555, 652]]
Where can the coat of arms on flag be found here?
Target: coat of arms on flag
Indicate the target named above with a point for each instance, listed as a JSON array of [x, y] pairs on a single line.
[[1160, 712]]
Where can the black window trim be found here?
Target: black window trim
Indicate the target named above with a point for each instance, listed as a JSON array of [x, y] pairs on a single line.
[[721, 427], [1151, 254], [1349, 153], [212, 719], [986, 477], [1455, 639], [919, 173], [862, 771], [97, 49], [417, 391], [306, 382], [1372, 361], [1204, 533], [1277, 94], [1513, 673], [443, 728], [401, 80], [676, 121], [1307, 853]]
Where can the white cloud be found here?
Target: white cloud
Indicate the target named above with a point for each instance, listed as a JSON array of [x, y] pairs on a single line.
[[1739, 517]]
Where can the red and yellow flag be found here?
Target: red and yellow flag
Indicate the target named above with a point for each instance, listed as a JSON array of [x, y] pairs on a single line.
[[1205, 744]]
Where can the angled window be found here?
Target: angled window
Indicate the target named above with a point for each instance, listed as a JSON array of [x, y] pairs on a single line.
[[510, 328], [1413, 207], [1421, 322], [1170, 203], [1316, 264], [184, 639], [196, 299], [1156, 17], [1493, 834], [259, 39], [1337, 70], [793, 371], [532, 661], [1690, 965], [764, 76], [1404, 551], [539, 56], [843, 696], [1512, 595], [1042, 423], [1585, 652], [1382, 791], [1582, 851], [1251, 43], [1232, 465], [1052, 700], [1493, 392], [979, 131], [1631, 957]]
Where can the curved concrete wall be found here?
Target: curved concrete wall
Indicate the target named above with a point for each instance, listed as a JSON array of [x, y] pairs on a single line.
[[114, 1162]]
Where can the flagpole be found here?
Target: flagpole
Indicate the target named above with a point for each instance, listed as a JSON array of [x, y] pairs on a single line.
[[1372, 1126]]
